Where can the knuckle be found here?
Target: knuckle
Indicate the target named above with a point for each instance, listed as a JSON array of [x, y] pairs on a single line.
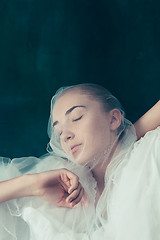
[[76, 200], [77, 178], [64, 169], [76, 192]]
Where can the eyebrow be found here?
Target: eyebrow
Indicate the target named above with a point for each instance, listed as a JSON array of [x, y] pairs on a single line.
[[68, 112]]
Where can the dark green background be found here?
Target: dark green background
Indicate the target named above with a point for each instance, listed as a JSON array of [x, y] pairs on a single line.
[[48, 44]]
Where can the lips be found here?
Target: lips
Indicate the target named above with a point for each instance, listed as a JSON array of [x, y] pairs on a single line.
[[75, 147]]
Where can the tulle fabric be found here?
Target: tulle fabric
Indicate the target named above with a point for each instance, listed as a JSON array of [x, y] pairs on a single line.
[[54, 145], [133, 202], [37, 218], [128, 209]]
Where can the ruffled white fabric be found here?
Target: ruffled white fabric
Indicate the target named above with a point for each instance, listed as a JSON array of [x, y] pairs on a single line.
[[128, 209]]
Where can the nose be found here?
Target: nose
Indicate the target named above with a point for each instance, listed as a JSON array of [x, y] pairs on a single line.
[[68, 135]]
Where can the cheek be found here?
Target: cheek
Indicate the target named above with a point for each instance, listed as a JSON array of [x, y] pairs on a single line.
[[91, 132], [65, 147], [97, 133]]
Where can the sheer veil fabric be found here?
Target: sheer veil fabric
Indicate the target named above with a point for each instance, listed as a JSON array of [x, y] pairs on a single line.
[[127, 209]]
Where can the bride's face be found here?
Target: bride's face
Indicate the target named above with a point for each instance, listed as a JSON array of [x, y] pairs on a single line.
[[83, 126]]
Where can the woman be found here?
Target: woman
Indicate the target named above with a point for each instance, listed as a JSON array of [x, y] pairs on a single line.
[[90, 136]]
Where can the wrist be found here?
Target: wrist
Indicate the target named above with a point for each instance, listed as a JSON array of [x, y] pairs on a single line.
[[33, 188], [27, 183], [36, 184]]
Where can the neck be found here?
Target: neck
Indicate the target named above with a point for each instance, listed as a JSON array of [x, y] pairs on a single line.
[[99, 174], [100, 169]]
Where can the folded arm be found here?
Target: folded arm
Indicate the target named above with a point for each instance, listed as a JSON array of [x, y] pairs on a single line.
[[59, 187], [149, 121]]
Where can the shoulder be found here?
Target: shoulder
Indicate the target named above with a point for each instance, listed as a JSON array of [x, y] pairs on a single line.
[[155, 132], [143, 161], [146, 151], [150, 139]]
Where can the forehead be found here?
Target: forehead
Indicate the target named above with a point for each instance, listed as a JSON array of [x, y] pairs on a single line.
[[70, 99]]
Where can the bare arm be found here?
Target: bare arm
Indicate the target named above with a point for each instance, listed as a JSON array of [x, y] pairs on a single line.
[[16, 188], [149, 121], [59, 187]]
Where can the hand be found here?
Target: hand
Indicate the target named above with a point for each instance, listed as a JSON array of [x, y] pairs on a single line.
[[59, 187]]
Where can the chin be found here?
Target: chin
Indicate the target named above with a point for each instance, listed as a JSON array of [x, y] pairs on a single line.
[[82, 158], [79, 159], [83, 161]]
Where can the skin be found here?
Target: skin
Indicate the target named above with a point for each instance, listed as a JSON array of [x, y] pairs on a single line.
[[98, 127], [94, 129], [59, 187], [149, 121], [89, 126]]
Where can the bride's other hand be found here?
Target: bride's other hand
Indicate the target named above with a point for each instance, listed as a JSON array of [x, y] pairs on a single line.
[[59, 187]]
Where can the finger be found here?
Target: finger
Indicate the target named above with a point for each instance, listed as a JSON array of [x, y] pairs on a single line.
[[70, 179], [74, 194], [65, 180], [74, 181], [64, 204], [79, 197]]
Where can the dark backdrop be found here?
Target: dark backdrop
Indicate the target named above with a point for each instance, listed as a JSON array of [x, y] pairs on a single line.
[[48, 44]]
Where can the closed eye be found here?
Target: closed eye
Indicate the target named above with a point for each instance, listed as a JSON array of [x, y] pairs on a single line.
[[74, 120]]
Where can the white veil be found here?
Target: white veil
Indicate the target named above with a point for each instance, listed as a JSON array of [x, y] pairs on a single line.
[[126, 134], [126, 137]]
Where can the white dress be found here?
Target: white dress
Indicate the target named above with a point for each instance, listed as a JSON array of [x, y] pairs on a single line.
[[128, 209]]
